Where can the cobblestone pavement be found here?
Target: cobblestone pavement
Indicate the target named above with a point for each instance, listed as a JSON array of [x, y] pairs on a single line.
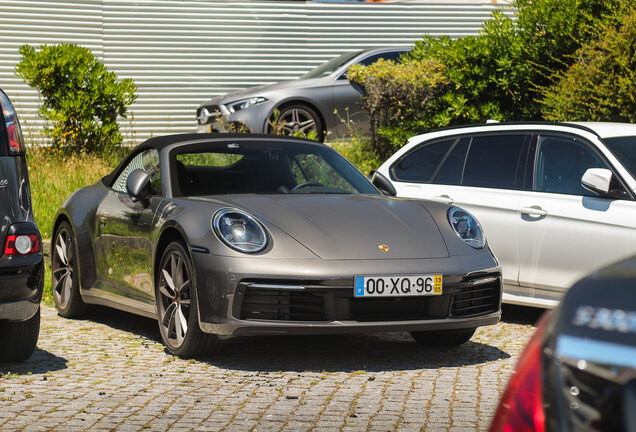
[[112, 373]]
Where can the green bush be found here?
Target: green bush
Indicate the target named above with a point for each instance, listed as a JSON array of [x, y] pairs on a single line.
[[397, 94], [80, 97], [601, 84]]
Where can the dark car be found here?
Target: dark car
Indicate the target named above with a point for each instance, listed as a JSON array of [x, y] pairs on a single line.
[[218, 236], [578, 372], [21, 262], [321, 100]]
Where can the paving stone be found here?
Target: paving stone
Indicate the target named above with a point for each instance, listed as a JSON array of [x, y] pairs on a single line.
[[111, 372]]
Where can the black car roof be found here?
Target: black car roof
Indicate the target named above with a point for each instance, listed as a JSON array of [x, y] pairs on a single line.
[[161, 142]]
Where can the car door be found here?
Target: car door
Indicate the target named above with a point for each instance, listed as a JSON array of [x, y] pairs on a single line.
[[347, 108], [481, 173], [124, 234], [567, 231]]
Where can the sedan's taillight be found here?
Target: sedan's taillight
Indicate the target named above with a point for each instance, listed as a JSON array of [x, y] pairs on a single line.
[[521, 406], [22, 244]]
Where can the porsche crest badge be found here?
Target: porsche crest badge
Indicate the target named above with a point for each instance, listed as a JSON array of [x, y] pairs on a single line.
[[383, 248]]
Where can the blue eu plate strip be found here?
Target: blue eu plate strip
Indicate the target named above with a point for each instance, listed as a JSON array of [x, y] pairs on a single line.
[[359, 286]]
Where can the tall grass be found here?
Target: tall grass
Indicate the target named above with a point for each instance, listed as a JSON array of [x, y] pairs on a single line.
[[54, 177]]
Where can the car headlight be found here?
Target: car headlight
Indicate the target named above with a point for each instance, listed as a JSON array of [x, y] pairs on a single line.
[[466, 227], [239, 230], [244, 103]]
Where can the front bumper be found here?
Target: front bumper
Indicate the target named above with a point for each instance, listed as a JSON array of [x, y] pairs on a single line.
[[21, 285], [253, 119], [312, 296]]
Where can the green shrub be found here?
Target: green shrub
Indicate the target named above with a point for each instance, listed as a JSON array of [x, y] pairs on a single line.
[[80, 97], [397, 94], [601, 84]]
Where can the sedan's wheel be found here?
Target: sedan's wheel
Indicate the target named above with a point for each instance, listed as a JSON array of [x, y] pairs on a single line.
[[299, 120], [18, 339], [176, 299], [64, 280], [448, 338]]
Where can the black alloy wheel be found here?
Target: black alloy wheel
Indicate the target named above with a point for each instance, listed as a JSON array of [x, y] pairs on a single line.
[[64, 281], [175, 294]]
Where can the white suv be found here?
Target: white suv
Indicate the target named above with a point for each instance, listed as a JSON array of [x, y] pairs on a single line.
[[556, 200]]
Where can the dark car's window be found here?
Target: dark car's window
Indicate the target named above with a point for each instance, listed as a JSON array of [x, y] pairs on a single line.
[[148, 161], [493, 161], [560, 163], [261, 167], [624, 148], [331, 66], [420, 165], [15, 143]]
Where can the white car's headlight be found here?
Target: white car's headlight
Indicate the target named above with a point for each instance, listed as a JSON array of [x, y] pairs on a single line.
[[244, 103], [239, 230], [466, 227]]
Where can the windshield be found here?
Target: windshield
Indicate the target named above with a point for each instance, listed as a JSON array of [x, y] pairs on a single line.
[[264, 167], [624, 148], [331, 66]]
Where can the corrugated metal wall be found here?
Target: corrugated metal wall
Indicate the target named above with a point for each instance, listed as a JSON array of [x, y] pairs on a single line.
[[181, 52]]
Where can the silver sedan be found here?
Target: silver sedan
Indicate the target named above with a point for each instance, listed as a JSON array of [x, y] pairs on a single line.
[[317, 101]]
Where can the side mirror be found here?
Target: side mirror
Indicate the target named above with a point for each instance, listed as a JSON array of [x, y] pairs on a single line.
[[382, 183], [138, 185], [597, 180]]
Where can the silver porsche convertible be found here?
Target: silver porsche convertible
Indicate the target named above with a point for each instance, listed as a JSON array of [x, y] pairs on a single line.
[[218, 236]]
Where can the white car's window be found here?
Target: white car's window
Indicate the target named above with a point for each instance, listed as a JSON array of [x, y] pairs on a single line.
[[148, 161], [420, 165], [450, 173], [624, 148], [493, 161], [560, 163]]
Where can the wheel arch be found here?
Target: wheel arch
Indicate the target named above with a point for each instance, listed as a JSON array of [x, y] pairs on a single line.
[[169, 233], [85, 261]]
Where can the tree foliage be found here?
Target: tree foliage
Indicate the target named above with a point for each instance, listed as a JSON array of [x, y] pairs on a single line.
[[601, 83], [80, 97], [397, 94], [503, 74]]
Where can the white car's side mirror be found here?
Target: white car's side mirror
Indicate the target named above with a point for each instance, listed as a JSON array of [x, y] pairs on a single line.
[[597, 180]]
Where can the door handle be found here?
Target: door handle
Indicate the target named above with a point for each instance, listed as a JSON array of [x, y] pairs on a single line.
[[443, 199], [534, 211]]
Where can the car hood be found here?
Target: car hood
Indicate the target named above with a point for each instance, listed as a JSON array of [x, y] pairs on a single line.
[[350, 226], [263, 90]]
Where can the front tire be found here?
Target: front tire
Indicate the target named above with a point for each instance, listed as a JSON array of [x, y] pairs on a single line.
[[18, 339], [444, 338], [64, 275], [177, 307]]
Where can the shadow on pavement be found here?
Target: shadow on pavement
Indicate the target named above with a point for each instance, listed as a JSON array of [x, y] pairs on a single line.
[[346, 353], [39, 363], [352, 352], [521, 314]]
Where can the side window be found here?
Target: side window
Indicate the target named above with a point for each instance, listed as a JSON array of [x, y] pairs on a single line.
[[451, 171], [148, 161], [494, 162], [560, 164], [391, 55], [420, 165]]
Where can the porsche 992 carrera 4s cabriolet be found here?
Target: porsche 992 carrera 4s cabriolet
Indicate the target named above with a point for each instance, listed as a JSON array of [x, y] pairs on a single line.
[[218, 236]]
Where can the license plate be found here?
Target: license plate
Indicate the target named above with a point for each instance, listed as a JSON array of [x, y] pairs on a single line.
[[397, 286]]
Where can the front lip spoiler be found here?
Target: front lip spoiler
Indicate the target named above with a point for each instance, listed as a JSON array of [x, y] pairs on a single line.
[[234, 328]]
